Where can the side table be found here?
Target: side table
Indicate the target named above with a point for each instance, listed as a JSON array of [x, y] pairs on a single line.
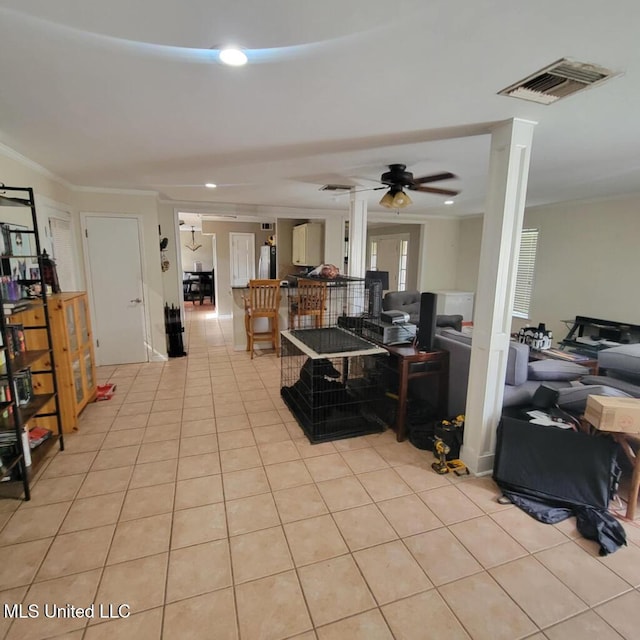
[[412, 364]]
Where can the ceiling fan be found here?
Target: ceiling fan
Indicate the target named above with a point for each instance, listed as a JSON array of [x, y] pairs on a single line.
[[397, 179]]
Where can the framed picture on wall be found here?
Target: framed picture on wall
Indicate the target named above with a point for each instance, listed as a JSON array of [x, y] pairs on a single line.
[[5, 240], [20, 242]]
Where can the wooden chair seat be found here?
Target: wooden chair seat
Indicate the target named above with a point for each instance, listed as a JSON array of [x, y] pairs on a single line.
[[262, 301], [309, 299]]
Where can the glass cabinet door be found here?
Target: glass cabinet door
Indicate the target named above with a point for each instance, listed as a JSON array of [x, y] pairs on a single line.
[[88, 370], [77, 380], [72, 329], [82, 321]]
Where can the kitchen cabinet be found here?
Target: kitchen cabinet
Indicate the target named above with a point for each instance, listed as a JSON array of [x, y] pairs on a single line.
[[308, 244]]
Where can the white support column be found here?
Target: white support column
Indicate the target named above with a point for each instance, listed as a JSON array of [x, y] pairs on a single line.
[[334, 241], [504, 211], [357, 234]]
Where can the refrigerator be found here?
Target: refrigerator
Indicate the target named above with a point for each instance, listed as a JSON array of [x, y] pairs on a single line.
[[267, 267]]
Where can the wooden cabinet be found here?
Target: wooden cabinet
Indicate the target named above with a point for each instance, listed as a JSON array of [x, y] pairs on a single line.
[[308, 244], [73, 352]]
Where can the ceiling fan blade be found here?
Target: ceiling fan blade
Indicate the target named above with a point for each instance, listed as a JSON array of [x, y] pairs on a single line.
[[346, 193], [444, 192], [434, 178]]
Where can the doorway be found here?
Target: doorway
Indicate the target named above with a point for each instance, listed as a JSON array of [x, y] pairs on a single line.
[[113, 259], [391, 253]]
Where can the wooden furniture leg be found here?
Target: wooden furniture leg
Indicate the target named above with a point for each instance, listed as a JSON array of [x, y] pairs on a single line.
[[403, 384], [634, 488]]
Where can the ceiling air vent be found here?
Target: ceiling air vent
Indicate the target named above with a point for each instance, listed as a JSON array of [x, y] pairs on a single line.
[[335, 187], [559, 80]]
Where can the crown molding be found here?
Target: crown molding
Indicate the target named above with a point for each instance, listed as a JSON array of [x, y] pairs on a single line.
[[115, 191], [31, 164]]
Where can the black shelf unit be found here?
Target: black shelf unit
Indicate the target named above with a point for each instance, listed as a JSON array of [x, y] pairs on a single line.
[[14, 416]]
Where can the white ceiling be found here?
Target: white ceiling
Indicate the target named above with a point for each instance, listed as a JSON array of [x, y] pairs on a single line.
[[127, 95]]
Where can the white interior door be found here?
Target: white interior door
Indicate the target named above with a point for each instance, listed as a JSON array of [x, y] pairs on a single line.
[[243, 258], [114, 264]]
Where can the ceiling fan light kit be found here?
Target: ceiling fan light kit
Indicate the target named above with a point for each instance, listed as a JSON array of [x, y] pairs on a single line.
[[398, 179], [395, 199]]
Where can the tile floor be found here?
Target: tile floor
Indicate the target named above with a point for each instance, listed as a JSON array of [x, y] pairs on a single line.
[[193, 498]]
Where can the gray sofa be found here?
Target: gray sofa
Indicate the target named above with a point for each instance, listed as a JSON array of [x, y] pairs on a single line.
[[572, 381], [619, 367], [518, 388], [409, 302]]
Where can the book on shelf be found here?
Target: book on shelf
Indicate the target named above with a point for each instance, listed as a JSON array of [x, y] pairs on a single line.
[[16, 343], [23, 387], [9, 308], [38, 435]]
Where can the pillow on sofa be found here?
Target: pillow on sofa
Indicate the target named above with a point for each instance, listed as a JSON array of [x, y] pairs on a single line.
[[628, 387], [622, 361], [556, 370], [407, 301], [517, 359], [454, 321]]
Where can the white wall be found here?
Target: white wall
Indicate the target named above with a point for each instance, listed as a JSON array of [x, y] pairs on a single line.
[[587, 262], [440, 245], [172, 278]]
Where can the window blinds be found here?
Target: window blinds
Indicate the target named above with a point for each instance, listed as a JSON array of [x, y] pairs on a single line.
[[526, 269]]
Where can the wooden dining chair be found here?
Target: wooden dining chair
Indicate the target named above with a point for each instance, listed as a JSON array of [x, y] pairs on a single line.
[[309, 299], [262, 301]]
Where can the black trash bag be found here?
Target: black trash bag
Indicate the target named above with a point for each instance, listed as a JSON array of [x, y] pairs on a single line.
[[553, 473], [422, 436], [592, 523], [601, 526]]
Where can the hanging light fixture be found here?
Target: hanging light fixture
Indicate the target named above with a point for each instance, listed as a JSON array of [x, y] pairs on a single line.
[[395, 198], [193, 246]]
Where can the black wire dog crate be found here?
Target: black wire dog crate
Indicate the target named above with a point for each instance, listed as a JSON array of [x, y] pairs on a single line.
[[316, 302], [331, 380]]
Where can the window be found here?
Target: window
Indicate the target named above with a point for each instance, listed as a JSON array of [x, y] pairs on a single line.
[[373, 259], [402, 274], [526, 269]]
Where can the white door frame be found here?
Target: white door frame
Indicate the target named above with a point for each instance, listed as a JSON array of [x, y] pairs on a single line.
[[84, 215]]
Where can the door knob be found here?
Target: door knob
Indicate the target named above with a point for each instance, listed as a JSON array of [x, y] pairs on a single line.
[[136, 300]]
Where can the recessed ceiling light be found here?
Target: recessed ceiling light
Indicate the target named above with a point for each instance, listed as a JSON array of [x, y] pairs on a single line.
[[448, 201], [233, 57], [210, 185]]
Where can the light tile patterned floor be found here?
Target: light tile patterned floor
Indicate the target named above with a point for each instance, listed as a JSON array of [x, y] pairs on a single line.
[[193, 498]]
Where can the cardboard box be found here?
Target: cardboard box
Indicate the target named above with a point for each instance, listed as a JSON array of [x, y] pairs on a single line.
[[613, 414]]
